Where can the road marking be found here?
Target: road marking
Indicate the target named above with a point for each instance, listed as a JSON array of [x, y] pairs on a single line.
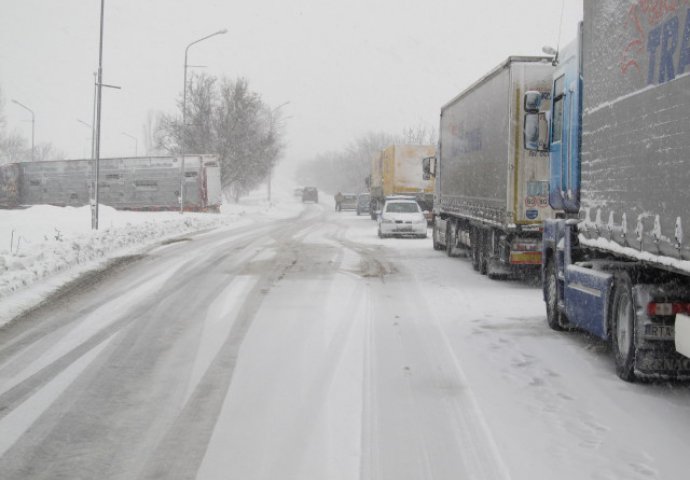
[[17, 422], [81, 332], [220, 317]]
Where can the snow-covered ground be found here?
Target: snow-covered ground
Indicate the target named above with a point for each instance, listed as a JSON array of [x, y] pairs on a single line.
[[43, 247], [312, 349]]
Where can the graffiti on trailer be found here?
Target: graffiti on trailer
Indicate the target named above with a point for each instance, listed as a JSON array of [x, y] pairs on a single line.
[[661, 36]]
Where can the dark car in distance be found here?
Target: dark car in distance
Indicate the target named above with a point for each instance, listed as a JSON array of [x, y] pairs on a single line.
[[310, 194], [363, 200], [348, 201]]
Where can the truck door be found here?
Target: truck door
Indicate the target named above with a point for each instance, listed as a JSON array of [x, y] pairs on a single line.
[[565, 137]]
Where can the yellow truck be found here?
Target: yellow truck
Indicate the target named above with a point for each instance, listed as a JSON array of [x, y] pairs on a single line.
[[396, 171]]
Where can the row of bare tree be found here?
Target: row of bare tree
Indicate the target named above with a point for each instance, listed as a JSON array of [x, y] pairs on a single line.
[[346, 170]]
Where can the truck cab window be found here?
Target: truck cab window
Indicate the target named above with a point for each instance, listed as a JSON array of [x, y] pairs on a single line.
[[558, 109]]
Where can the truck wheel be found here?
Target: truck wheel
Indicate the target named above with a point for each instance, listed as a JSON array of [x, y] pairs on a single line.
[[450, 239], [553, 315], [475, 247], [623, 328], [483, 253], [434, 238]]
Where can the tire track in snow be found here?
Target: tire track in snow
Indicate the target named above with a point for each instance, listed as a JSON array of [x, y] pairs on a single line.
[[425, 420]]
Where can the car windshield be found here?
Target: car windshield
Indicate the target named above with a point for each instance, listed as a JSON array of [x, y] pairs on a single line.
[[402, 207]]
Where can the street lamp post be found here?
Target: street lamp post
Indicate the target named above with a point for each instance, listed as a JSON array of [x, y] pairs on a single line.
[[97, 121], [136, 142], [97, 144], [33, 125], [184, 114]]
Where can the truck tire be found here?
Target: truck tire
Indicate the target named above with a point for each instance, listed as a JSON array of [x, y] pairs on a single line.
[[554, 316], [483, 252], [450, 239], [434, 237], [623, 332], [475, 247]]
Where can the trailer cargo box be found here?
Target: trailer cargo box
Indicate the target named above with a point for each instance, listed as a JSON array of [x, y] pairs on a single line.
[[397, 171], [491, 194]]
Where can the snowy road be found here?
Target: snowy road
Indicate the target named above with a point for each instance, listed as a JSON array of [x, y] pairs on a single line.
[[309, 349]]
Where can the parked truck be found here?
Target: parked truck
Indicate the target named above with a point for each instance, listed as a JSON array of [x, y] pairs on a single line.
[[396, 171], [130, 183], [616, 260], [490, 195]]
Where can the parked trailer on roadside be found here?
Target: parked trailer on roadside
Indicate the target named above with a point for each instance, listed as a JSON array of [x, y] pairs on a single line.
[[616, 263], [490, 196], [131, 183]]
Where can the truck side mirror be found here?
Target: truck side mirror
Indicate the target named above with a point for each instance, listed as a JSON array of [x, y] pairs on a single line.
[[536, 132], [429, 167], [532, 102]]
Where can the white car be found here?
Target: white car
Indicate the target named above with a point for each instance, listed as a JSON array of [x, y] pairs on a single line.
[[401, 217]]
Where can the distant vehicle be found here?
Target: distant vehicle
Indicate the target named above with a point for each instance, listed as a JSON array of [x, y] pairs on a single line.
[[348, 201], [127, 183], [310, 194], [297, 192], [396, 171], [363, 200], [401, 217]]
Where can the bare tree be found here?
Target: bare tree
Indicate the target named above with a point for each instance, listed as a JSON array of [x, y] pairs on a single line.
[[149, 129], [346, 170], [47, 151], [13, 148], [227, 118]]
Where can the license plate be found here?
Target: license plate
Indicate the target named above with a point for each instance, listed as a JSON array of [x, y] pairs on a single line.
[[661, 332], [403, 229]]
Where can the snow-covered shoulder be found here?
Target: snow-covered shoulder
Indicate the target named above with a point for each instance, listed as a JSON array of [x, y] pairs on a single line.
[[43, 247]]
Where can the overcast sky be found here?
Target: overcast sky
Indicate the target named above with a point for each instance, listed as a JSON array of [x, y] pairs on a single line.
[[346, 67]]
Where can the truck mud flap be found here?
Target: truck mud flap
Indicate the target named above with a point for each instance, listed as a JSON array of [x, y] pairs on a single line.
[[495, 269], [662, 363]]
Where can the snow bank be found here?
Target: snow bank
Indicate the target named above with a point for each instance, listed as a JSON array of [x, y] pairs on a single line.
[[43, 247], [41, 241]]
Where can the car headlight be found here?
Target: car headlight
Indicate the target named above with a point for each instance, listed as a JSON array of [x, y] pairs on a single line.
[[386, 220]]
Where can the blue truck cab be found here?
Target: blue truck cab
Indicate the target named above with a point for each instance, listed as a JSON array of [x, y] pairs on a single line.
[[595, 285]]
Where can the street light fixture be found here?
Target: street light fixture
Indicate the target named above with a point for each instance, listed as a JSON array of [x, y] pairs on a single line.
[[33, 125], [136, 142], [184, 113], [92, 136]]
